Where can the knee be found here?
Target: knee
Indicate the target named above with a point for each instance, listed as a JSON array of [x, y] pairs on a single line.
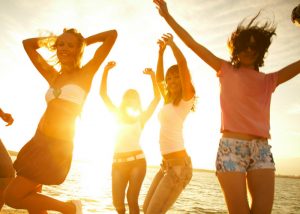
[[120, 208], [133, 203], [133, 207], [11, 197]]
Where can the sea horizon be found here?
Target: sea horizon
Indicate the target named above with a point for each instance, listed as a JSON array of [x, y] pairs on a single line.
[[91, 183], [290, 175]]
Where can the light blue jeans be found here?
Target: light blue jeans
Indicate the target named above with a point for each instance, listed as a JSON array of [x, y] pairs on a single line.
[[127, 178], [167, 185]]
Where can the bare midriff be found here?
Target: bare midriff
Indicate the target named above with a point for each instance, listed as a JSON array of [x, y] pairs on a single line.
[[241, 136]]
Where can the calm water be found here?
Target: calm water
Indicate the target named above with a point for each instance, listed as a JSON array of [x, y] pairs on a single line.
[[92, 184]]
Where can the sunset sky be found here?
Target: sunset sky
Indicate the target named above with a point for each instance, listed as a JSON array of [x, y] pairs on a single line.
[[139, 26]]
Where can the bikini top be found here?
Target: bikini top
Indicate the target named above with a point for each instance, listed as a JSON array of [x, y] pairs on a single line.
[[70, 92]]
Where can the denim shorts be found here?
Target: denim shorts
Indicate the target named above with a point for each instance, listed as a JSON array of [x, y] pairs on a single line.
[[236, 155]]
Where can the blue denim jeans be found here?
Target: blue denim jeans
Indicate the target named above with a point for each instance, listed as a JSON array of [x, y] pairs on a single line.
[[131, 174], [167, 185]]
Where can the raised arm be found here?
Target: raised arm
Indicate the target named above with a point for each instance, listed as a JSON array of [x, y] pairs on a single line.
[[103, 87], [108, 39], [207, 56], [288, 72], [188, 90], [6, 117], [31, 46], [151, 108], [160, 79]]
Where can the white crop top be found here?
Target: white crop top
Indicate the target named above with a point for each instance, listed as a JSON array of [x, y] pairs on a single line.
[[128, 137], [171, 119], [69, 92]]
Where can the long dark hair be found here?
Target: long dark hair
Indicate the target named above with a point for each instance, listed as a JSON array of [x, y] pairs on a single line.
[[241, 36]]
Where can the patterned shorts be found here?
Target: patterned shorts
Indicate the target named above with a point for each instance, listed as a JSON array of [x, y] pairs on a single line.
[[236, 155]]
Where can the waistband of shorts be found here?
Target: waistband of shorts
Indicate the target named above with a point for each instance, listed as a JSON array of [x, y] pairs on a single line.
[[130, 158], [258, 140], [185, 161]]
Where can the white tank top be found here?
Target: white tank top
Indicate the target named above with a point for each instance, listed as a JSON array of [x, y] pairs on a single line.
[[171, 119], [128, 137]]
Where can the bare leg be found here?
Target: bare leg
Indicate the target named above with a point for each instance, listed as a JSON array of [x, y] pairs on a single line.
[[1, 199], [38, 190], [22, 193], [235, 191], [261, 184]]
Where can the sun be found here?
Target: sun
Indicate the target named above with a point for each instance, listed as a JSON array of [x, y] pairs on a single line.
[[95, 132]]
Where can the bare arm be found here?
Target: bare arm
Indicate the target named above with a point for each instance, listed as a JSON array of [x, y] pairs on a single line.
[[31, 46], [108, 39], [6, 117], [188, 90], [207, 56], [151, 108], [103, 87], [160, 79], [288, 72]]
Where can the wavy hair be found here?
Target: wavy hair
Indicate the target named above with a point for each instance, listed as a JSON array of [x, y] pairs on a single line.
[[50, 42], [81, 45], [241, 36]]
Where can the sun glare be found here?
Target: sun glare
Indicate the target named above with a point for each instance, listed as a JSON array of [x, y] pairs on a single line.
[[94, 143], [132, 112]]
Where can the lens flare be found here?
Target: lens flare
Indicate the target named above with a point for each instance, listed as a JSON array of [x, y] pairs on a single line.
[[132, 112]]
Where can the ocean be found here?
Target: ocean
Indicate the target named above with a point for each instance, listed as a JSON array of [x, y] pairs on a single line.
[[91, 183]]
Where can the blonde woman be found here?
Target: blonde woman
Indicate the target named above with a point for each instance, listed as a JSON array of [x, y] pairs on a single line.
[[129, 163], [46, 158]]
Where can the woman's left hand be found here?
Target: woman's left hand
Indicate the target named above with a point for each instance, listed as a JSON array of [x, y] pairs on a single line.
[[168, 38]]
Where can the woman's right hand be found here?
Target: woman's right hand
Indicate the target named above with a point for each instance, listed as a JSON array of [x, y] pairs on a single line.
[[161, 7], [7, 118], [110, 65], [162, 46]]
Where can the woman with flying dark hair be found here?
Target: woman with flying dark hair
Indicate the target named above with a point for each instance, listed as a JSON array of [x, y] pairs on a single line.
[[244, 158], [46, 158]]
